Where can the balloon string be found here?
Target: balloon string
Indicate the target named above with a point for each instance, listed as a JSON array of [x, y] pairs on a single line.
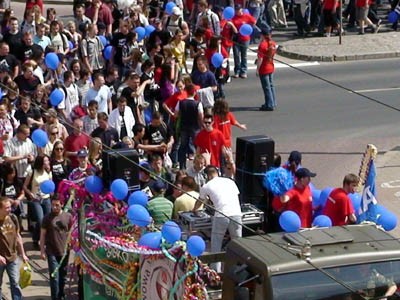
[[182, 279]]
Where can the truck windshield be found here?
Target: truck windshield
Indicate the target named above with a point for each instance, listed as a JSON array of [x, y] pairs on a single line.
[[367, 281]]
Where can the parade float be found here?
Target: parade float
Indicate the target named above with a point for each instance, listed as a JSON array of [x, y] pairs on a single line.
[[121, 255]]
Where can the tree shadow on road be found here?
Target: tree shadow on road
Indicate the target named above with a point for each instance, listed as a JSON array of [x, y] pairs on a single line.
[[244, 108]]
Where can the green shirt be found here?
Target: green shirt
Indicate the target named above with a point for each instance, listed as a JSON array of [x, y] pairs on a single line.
[[160, 209]]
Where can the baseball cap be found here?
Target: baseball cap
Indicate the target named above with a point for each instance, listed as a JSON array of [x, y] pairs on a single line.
[[145, 166], [266, 30], [295, 156], [82, 153], [158, 185], [304, 172], [238, 6], [157, 20], [51, 112], [176, 11]]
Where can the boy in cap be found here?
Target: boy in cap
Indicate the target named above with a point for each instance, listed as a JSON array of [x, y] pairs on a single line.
[[159, 207], [266, 68], [294, 161], [299, 198], [79, 174]]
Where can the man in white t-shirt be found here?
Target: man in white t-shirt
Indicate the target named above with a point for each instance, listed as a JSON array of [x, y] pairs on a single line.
[[71, 96], [99, 92], [224, 195]]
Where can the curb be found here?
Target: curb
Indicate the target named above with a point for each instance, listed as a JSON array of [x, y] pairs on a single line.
[[333, 58]]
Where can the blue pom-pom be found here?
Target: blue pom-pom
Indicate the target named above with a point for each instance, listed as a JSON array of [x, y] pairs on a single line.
[[278, 181]]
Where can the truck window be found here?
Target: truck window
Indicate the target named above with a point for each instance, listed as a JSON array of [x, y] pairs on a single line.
[[370, 280]]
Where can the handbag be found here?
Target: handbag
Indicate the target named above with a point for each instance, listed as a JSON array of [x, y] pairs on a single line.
[[25, 275]]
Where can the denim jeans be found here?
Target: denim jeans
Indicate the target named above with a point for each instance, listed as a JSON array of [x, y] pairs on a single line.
[[187, 136], [57, 283], [219, 227], [38, 210], [267, 83], [12, 269], [240, 57]]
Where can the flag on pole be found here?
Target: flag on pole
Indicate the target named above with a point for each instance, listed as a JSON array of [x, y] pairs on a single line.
[[368, 201]]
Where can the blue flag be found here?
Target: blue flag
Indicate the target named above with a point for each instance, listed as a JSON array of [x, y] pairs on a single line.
[[368, 201]]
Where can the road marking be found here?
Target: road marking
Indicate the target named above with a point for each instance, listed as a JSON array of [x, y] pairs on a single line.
[[376, 90], [252, 66], [394, 184]]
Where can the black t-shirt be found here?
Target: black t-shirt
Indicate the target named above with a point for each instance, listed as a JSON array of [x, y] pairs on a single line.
[[118, 42], [106, 135], [60, 171], [25, 52], [27, 86], [22, 116], [131, 101], [157, 134], [11, 190], [10, 61], [161, 37], [14, 41]]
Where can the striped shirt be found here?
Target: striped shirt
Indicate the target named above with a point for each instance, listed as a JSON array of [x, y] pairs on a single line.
[[16, 147], [160, 209]]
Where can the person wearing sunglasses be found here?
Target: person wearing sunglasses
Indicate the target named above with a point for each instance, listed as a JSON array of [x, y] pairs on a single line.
[[60, 165], [52, 133]]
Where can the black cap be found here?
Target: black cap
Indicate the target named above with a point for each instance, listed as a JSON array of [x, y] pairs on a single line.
[[295, 156], [238, 6], [303, 172], [266, 30], [158, 186]]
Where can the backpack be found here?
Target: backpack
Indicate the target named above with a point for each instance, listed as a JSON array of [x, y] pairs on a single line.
[[180, 20], [64, 39]]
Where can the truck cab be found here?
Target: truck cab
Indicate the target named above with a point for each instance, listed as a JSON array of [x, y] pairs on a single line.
[[348, 262]]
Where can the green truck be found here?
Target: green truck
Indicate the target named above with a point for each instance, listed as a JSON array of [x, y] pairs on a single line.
[[349, 262]]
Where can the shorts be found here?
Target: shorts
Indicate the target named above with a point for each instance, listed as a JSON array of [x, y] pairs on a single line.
[[361, 13], [330, 18]]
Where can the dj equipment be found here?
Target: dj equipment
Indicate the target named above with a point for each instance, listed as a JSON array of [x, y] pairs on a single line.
[[254, 156], [201, 220], [123, 164]]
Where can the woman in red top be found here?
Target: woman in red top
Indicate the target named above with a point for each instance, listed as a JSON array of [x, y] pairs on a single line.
[[331, 10], [265, 69], [224, 119]]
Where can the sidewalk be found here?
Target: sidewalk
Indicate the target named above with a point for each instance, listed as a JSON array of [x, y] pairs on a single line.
[[353, 47]]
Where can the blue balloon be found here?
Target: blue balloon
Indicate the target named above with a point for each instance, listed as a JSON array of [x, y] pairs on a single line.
[[138, 215], [94, 184], [107, 52], [323, 197], [169, 7], [228, 13], [138, 197], [171, 232], [141, 33], [148, 115], [40, 138], [151, 240], [195, 245], [47, 187], [393, 17], [103, 40], [322, 221], [387, 220], [356, 200], [70, 45], [290, 221], [51, 60], [217, 59], [246, 11], [316, 194], [119, 188], [56, 96], [246, 30], [149, 29], [312, 186]]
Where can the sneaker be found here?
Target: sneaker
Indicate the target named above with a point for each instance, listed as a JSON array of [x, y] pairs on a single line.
[[244, 76], [361, 33], [265, 108], [376, 28], [235, 75]]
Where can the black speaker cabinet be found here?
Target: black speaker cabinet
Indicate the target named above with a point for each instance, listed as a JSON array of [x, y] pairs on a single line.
[[254, 156], [123, 164]]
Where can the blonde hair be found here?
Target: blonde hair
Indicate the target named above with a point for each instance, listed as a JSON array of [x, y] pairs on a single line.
[[94, 148]]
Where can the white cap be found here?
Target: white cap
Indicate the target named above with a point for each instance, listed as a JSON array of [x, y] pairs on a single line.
[[176, 11]]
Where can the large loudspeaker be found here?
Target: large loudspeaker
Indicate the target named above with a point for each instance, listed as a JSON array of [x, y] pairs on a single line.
[[115, 165], [254, 156]]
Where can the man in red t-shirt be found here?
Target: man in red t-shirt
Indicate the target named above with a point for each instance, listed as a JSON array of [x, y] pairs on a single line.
[[241, 41], [339, 207], [75, 142], [299, 198], [266, 68], [211, 141]]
